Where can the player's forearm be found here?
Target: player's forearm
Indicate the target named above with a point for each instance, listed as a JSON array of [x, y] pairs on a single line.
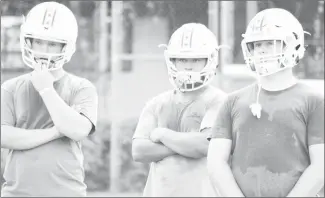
[[22, 139], [222, 179], [309, 183], [188, 144], [67, 120], [146, 151]]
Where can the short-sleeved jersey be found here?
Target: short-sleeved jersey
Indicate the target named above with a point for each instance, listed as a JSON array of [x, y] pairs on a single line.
[[178, 175], [54, 168], [271, 153]]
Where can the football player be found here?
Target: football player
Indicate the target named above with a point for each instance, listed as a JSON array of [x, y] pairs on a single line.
[[47, 112], [273, 129], [168, 133]]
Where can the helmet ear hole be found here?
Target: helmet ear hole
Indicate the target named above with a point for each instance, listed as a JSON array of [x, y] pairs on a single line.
[[297, 60], [297, 47], [64, 46], [29, 41], [250, 47], [252, 67]]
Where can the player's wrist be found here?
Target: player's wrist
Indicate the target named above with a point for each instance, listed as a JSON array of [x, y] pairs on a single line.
[[163, 133], [56, 132]]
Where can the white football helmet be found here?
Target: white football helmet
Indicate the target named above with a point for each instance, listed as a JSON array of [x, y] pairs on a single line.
[[49, 21], [192, 40], [274, 24]]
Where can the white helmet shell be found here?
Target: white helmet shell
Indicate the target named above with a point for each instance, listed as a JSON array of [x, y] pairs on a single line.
[[274, 24], [49, 21], [192, 40]]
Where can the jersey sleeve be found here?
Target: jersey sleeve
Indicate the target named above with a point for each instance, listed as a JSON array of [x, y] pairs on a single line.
[[315, 122], [211, 113], [147, 121], [85, 102], [8, 116], [222, 125]]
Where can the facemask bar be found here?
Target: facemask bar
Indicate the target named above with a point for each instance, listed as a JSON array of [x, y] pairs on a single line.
[[268, 57], [190, 81], [30, 57], [284, 58]]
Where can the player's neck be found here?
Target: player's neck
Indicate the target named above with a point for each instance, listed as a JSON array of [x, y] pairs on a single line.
[[191, 95], [278, 81], [58, 74]]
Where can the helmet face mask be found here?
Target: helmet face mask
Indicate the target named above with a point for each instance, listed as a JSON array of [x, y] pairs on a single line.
[[53, 23], [281, 28], [191, 75], [50, 60], [266, 56], [192, 42]]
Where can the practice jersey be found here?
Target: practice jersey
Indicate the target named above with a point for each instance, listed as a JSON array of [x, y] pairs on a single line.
[[270, 154], [178, 175], [55, 168]]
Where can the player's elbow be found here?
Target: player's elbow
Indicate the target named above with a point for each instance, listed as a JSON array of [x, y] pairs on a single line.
[[139, 151], [197, 153], [76, 132], [79, 136], [9, 141], [137, 157], [5, 144], [203, 149], [6, 141]]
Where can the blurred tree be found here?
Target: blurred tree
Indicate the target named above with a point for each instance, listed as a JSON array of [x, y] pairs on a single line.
[[133, 174], [17, 8], [147, 8], [177, 12], [85, 56], [315, 61], [96, 150]]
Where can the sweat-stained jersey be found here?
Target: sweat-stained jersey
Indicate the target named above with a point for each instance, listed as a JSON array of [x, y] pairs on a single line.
[[271, 153], [178, 175], [54, 168]]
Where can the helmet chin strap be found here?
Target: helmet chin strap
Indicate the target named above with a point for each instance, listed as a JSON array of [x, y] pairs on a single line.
[[281, 68], [256, 107]]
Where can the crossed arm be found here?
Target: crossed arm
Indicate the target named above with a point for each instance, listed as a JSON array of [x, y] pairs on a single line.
[[66, 119], [190, 144], [152, 143], [68, 122], [21, 139], [16, 138]]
